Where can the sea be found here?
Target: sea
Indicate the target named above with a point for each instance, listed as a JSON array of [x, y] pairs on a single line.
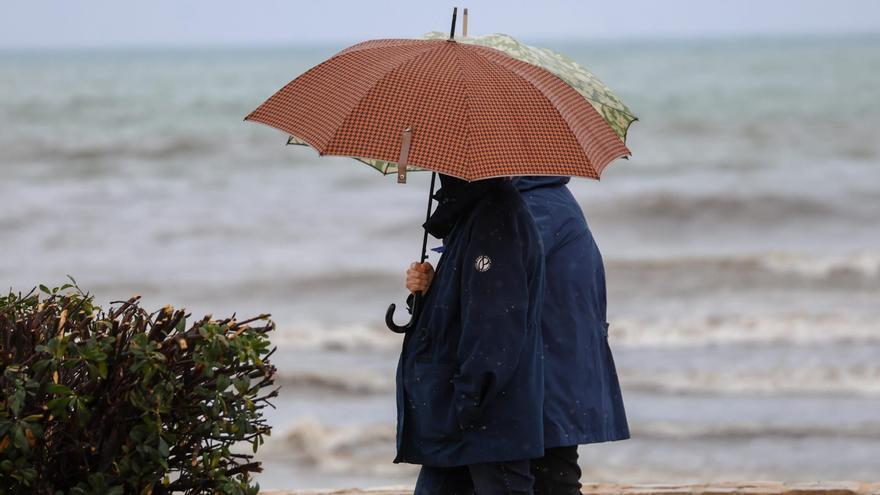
[[742, 243]]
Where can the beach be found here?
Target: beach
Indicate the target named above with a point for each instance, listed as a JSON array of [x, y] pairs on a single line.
[[753, 488], [741, 240]]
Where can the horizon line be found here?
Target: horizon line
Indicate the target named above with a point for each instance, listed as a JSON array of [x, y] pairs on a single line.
[[744, 36]]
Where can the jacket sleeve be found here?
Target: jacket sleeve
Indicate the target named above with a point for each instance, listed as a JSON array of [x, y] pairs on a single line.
[[494, 313]]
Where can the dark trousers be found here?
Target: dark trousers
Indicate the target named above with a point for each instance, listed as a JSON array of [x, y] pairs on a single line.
[[493, 478], [558, 472]]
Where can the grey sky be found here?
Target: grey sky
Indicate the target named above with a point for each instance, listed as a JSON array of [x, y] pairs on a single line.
[[75, 23]]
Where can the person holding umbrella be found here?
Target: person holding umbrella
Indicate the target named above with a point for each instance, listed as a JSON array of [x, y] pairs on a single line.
[[582, 398], [470, 383]]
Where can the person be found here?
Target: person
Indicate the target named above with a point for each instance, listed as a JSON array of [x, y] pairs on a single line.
[[582, 398], [470, 379]]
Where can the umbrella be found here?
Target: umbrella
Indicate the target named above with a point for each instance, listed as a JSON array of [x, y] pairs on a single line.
[[462, 109], [618, 116]]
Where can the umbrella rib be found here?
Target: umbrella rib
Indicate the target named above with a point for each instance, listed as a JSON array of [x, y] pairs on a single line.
[[462, 77], [549, 101]]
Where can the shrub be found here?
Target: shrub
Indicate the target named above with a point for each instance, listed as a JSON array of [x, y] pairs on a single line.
[[124, 401]]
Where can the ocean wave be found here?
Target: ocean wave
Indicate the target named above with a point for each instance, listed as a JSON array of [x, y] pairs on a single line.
[[759, 209], [157, 149], [350, 449], [667, 430], [359, 383], [794, 328], [845, 380], [791, 328], [852, 380], [349, 337], [369, 448], [862, 265]]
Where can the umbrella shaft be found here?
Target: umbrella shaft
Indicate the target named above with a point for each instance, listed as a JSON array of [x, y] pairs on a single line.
[[427, 216]]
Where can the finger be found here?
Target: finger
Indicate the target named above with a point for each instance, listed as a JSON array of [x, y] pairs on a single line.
[[416, 287]]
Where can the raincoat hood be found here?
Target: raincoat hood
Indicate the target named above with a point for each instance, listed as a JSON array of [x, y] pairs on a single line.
[[455, 199]]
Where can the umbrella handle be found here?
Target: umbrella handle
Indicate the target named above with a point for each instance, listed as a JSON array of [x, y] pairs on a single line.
[[389, 316], [417, 297]]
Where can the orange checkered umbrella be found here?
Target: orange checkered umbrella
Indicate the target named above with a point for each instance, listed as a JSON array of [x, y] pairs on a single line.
[[465, 110], [461, 109]]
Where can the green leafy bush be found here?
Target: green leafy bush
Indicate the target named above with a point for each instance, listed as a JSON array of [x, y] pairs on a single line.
[[124, 401]]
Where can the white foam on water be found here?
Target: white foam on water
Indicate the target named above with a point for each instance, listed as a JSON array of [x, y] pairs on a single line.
[[346, 337], [361, 382], [793, 328], [346, 449], [746, 430], [844, 380], [368, 449], [634, 332], [865, 263], [860, 380]]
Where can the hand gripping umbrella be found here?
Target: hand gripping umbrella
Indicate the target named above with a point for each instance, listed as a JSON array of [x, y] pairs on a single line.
[[462, 109]]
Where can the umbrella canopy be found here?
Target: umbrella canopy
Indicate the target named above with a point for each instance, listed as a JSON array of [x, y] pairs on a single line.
[[608, 104], [618, 116], [461, 109]]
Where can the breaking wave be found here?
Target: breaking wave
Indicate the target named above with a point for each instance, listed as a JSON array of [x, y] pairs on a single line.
[[369, 449], [863, 263], [156, 149], [793, 328], [360, 383], [349, 449], [776, 267], [760, 209], [348, 337], [852, 380], [798, 328], [845, 380], [744, 431]]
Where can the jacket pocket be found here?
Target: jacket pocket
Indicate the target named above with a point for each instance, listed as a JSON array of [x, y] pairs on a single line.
[[431, 391]]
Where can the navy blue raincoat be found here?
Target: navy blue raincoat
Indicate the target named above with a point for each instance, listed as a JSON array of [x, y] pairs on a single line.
[[470, 379], [582, 403]]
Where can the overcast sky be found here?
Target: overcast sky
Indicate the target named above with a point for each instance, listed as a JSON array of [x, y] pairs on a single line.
[[108, 23]]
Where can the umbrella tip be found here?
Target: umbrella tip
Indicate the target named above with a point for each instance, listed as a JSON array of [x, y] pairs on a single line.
[[452, 29]]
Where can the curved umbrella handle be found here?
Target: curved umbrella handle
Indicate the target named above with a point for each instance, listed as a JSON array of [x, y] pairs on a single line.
[[417, 298], [389, 316]]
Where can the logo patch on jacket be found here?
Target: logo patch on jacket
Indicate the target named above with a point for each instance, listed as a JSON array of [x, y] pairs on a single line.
[[483, 263]]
